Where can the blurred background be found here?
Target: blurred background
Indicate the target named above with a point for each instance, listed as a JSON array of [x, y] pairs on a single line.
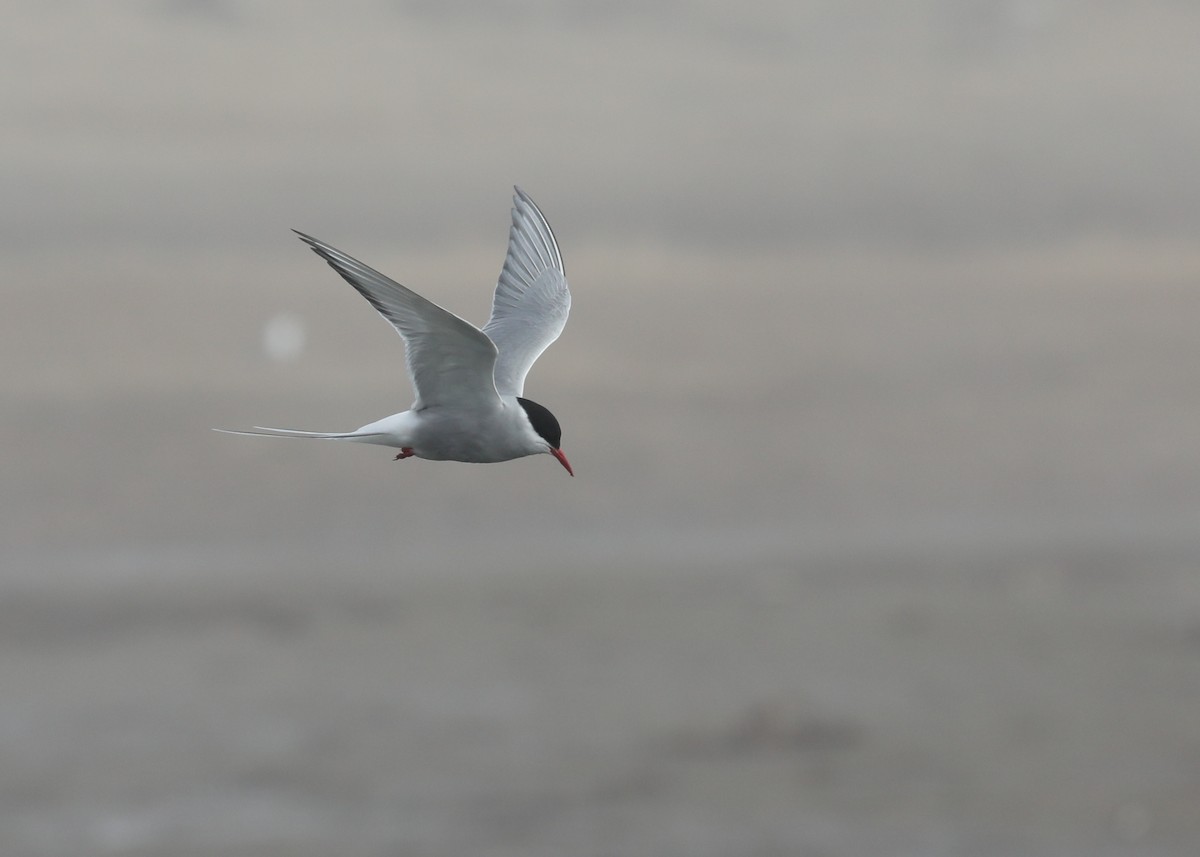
[[881, 388]]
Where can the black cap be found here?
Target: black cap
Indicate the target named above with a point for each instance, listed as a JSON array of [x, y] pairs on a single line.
[[543, 422]]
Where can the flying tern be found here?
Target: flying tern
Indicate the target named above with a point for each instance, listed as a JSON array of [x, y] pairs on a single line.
[[469, 383]]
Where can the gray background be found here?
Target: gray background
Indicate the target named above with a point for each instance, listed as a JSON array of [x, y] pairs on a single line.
[[881, 388]]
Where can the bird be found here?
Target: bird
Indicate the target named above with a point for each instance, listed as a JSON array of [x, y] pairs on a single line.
[[468, 382]]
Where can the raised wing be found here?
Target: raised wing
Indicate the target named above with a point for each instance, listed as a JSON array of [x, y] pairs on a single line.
[[532, 300], [450, 361]]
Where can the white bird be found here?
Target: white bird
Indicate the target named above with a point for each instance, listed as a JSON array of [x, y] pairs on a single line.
[[468, 382]]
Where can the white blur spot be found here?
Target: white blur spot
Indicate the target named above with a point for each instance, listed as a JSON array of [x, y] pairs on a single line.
[[283, 337]]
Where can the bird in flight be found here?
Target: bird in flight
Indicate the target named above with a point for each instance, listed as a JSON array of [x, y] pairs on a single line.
[[469, 383]]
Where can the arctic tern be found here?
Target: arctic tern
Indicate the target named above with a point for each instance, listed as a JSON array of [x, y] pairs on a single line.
[[469, 383]]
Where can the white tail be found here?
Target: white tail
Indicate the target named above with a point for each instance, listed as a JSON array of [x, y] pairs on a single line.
[[263, 431]]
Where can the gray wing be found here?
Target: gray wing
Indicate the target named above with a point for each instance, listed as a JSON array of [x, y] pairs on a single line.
[[532, 301], [450, 361]]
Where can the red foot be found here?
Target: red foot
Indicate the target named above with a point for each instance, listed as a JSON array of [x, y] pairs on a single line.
[[405, 452]]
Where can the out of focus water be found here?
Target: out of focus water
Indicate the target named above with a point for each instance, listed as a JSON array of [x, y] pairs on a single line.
[[880, 387]]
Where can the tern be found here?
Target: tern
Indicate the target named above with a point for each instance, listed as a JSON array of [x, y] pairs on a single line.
[[469, 383]]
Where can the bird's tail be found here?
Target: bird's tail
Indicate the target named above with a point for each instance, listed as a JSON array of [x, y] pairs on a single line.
[[263, 431]]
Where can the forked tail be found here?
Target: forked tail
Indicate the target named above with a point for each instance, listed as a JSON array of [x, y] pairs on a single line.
[[263, 431]]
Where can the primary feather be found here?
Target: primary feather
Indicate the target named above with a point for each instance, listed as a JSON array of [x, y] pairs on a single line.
[[532, 301], [450, 361]]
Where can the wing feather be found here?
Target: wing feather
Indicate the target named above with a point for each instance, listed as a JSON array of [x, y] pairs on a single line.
[[532, 301], [450, 361]]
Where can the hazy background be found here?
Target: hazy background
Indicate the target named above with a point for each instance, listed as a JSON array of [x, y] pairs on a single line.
[[881, 387]]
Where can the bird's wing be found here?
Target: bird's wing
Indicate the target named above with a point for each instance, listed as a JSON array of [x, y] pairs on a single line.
[[450, 361], [532, 300]]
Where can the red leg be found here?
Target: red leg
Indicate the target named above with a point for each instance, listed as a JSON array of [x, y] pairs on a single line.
[[405, 452]]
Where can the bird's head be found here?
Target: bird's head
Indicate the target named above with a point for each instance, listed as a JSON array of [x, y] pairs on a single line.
[[547, 429]]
